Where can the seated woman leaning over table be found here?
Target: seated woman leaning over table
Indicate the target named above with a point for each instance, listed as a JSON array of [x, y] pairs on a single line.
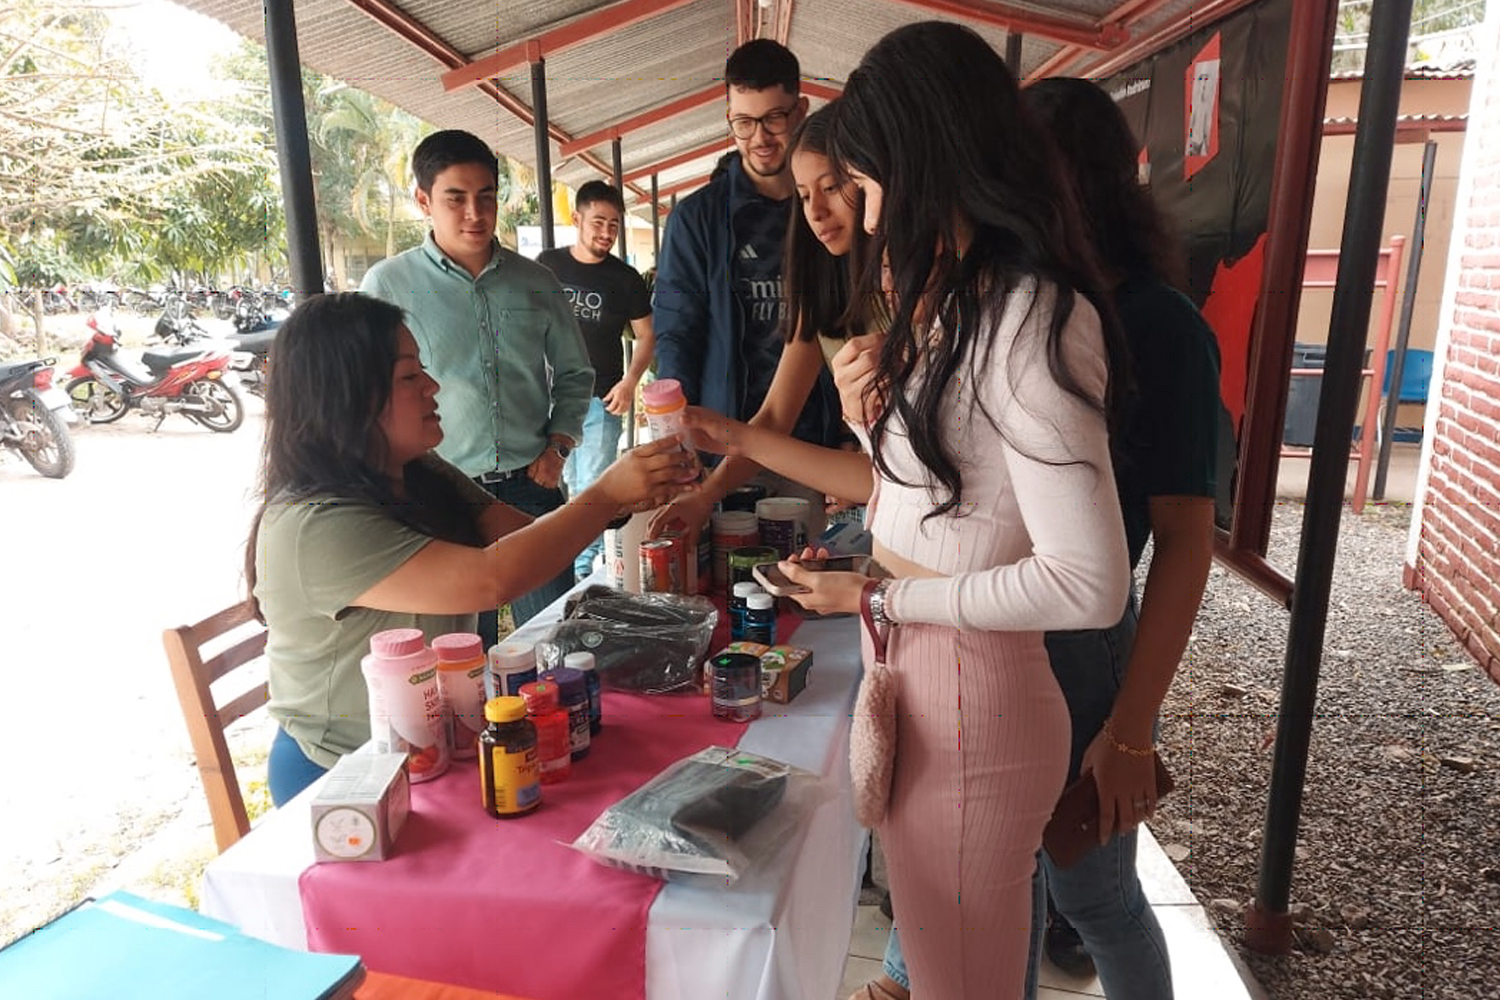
[[362, 528]]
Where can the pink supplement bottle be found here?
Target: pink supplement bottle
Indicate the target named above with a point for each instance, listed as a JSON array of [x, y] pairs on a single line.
[[406, 710], [665, 404]]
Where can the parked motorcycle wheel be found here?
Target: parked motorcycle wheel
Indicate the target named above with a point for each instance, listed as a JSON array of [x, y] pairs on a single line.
[[49, 448], [226, 407], [95, 402], [222, 305]]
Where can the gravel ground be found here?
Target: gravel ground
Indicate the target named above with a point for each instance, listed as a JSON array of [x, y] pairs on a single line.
[[1397, 879]]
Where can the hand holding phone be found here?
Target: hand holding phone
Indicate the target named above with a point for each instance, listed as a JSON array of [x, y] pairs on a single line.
[[776, 583]]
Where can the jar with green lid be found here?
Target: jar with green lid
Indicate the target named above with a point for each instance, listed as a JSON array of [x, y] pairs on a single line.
[[509, 771]]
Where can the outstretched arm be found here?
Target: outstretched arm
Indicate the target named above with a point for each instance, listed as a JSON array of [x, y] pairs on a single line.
[[796, 374], [446, 578], [834, 471]]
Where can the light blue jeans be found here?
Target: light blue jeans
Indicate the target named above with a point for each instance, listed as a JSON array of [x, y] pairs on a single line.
[[1101, 895], [600, 447]]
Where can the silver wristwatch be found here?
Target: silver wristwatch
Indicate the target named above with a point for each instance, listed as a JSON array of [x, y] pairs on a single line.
[[877, 604]]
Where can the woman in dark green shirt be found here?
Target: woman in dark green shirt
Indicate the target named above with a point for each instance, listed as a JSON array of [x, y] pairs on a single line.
[[362, 528]]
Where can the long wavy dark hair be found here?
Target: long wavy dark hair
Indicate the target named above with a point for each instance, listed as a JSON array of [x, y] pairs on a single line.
[[933, 115], [335, 357], [1099, 156], [815, 282]]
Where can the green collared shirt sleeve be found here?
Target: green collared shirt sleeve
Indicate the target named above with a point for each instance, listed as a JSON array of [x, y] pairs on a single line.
[[508, 357]]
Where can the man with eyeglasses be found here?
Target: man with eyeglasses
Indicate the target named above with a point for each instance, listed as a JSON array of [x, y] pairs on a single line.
[[718, 307]]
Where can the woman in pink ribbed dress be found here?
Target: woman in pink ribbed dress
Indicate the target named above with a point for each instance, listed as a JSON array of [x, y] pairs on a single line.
[[987, 465]]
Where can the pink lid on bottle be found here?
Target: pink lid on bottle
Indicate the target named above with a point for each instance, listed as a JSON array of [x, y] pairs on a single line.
[[664, 393], [457, 647], [398, 649]]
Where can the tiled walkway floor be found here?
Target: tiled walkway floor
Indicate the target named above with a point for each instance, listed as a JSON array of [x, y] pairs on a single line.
[[1201, 966]]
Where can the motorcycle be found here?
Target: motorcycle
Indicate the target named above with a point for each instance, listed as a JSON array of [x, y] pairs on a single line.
[[195, 381], [252, 342], [252, 357], [34, 417], [56, 300]]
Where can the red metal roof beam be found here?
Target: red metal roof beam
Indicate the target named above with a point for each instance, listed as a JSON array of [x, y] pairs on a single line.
[[555, 40], [1164, 35], [746, 21], [781, 18], [695, 100], [665, 194], [717, 146], [1070, 31], [645, 118], [402, 24]]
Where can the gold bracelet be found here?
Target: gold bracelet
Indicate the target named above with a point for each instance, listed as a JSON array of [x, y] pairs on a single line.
[[1125, 748]]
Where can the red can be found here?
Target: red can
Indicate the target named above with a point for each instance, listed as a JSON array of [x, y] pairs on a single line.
[[662, 566]]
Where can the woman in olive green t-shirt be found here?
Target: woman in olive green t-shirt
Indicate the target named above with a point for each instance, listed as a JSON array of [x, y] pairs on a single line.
[[362, 528]]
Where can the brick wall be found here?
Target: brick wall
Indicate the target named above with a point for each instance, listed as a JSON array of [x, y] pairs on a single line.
[[1457, 565]]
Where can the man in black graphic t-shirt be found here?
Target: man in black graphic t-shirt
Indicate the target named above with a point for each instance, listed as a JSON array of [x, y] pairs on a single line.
[[605, 293]]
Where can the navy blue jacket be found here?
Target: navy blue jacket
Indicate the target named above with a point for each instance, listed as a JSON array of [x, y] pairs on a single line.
[[699, 321]]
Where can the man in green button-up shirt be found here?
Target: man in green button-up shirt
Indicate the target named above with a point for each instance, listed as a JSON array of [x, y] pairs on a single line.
[[498, 334]]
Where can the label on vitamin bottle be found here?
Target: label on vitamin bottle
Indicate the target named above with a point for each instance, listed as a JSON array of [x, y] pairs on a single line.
[[517, 780]]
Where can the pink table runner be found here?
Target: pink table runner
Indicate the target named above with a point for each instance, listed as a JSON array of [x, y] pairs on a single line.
[[505, 904]]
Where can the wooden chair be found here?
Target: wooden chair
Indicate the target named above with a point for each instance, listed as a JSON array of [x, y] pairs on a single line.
[[206, 718]]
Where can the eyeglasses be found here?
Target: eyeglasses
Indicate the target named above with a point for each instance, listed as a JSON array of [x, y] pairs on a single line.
[[774, 122]]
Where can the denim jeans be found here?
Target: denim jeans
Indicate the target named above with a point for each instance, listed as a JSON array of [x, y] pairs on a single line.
[[600, 446], [523, 493], [288, 770], [1101, 895]]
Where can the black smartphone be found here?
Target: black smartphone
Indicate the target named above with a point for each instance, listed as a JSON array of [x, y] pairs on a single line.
[[776, 583]]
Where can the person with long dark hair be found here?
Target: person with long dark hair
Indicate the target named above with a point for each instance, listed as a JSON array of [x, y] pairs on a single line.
[[823, 234], [362, 528], [984, 411], [1166, 465]]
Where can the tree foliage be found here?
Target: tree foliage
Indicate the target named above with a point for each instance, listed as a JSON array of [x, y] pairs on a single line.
[[101, 175], [1442, 33]]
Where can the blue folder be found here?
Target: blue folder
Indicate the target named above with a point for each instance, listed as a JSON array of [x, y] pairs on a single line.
[[123, 947]]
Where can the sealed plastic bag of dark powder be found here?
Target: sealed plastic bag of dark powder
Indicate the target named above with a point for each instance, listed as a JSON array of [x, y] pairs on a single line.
[[709, 817], [647, 643]]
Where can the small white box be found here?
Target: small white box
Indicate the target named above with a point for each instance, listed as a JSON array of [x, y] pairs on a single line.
[[361, 807]]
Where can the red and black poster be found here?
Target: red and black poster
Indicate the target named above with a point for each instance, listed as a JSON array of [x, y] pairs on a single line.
[[1207, 112]]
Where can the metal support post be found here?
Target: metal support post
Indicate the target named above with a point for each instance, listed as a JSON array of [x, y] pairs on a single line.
[[304, 258], [621, 246], [543, 150], [1403, 328], [1269, 929], [655, 220]]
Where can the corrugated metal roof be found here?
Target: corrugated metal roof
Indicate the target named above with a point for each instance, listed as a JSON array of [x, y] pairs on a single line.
[[615, 75], [1462, 69], [1345, 125]]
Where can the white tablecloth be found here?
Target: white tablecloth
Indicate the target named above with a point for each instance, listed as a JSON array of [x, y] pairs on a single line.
[[781, 933]]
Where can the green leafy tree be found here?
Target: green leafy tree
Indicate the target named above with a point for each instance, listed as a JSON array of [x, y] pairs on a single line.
[[1442, 31], [98, 173]]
